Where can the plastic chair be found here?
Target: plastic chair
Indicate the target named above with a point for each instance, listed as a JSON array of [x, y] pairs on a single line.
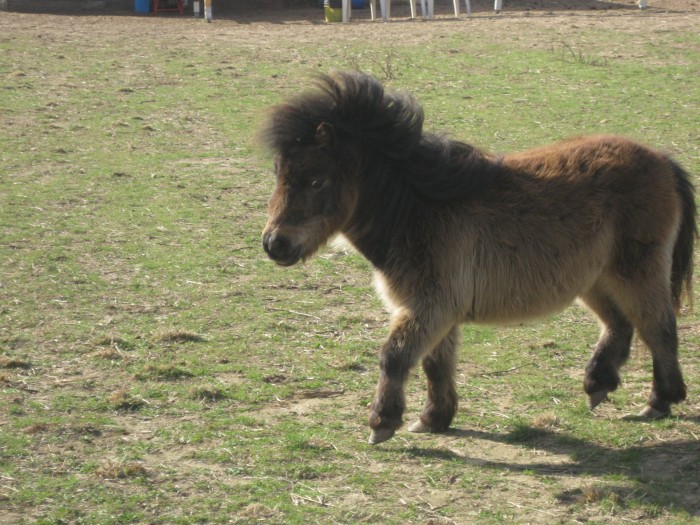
[[385, 6], [179, 7], [426, 10], [431, 4]]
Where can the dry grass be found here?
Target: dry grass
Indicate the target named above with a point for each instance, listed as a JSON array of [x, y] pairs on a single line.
[[179, 336], [112, 470], [593, 494], [13, 362], [37, 428], [545, 421], [111, 354], [163, 372], [123, 400], [207, 393]]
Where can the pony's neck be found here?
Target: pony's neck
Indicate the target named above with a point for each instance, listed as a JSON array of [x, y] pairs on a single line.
[[381, 219], [444, 170], [396, 195]]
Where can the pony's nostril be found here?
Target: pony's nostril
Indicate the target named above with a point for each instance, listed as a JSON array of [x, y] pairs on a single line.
[[280, 246], [277, 246]]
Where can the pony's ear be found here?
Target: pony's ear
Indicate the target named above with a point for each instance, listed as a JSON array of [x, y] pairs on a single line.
[[325, 135]]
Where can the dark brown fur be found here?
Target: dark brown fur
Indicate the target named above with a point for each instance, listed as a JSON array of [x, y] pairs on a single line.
[[456, 235]]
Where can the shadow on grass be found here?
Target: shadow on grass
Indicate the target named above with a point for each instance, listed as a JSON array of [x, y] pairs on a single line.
[[665, 474]]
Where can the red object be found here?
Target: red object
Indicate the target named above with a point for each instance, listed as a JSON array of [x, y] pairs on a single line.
[[180, 7]]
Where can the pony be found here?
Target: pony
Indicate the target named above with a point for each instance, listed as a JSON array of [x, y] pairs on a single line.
[[457, 235]]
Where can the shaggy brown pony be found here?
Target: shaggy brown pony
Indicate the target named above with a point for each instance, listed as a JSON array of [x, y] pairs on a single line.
[[457, 235]]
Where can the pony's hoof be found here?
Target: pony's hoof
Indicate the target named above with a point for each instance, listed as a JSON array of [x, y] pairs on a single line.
[[654, 413], [380, 435], [419, 427], [596, 398]]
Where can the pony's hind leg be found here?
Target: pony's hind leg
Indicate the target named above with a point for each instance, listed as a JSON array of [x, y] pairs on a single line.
[[611, 350], [668, 386], [648, 308], [440, 367]]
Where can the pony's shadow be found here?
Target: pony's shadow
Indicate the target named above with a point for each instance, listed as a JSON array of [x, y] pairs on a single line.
[[665, 474]]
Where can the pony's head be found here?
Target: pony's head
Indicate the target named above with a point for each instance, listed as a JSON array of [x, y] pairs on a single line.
[[322, 141], [311, 199]]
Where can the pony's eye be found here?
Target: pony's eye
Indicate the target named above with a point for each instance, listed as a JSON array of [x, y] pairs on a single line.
[[316, 184]]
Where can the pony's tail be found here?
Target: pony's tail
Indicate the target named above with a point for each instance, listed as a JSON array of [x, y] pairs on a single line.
[[682, 266]]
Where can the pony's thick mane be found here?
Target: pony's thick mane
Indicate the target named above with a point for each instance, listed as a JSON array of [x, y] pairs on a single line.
[[389, 128], [356, 105], [443, 169]]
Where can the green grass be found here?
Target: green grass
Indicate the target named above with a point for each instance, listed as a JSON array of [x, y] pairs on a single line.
[[156, 368]]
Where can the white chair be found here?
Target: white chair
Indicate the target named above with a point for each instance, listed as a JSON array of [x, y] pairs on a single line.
[[385, 6], [426, 10], [347, 9], [431, 4]]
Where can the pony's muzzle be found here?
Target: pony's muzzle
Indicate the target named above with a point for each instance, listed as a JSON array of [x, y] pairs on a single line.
[[280, 248]]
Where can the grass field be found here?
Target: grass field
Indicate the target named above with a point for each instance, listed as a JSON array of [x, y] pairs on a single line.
[[156, 368]]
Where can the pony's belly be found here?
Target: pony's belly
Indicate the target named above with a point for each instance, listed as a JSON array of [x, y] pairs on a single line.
[[524, 283], [513, 310], [524, 296]]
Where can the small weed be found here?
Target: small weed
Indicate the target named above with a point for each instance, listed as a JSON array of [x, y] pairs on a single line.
[[275, 379], [207, 393], [246, 421], [303, 472], [387, 63], [163, 373], [351, 366], [545, 421], [110, 470], [12, 362], [179, 336], [115, 343], [567, 53], [37, 428], [388, 66], [592, 494], [524, 432], [256, 513], [606, 501], [122, 400], [111, 354]]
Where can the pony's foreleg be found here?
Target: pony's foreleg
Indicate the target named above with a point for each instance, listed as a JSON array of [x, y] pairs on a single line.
[[408, 342], [440, 367]]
